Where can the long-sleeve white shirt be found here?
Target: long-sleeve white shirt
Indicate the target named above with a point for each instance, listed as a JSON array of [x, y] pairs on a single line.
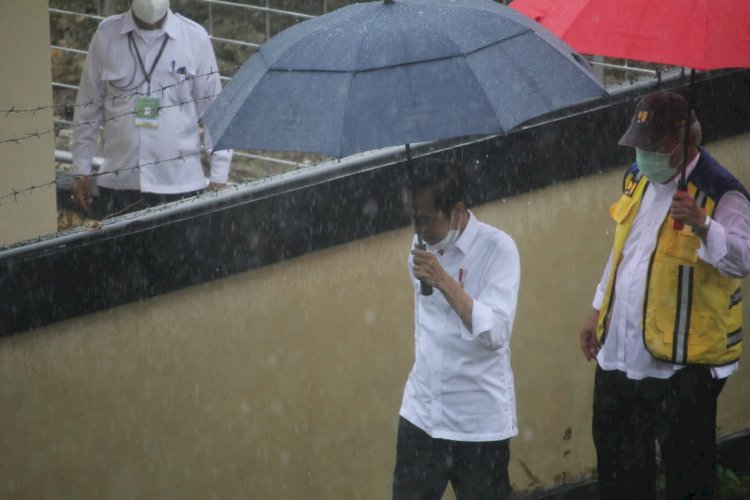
[[727, 248], [461, 386], [165, 159]]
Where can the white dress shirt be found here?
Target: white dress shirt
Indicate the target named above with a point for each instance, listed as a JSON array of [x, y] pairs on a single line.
[[185, 79], [461, 386], [727, 249]]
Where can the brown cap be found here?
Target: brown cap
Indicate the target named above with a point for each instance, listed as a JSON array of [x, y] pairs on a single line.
[[656, 115]]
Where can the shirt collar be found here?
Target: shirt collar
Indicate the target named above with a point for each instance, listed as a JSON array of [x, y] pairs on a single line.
[[468, 235], [170, 25]]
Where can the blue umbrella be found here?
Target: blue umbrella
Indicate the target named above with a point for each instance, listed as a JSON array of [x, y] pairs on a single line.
[[379, 74]]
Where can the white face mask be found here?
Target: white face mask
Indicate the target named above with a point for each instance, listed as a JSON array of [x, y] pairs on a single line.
[[150, 11], [448, 240]]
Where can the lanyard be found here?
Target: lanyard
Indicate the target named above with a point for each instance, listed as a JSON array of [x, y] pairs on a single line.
[[140, 60]]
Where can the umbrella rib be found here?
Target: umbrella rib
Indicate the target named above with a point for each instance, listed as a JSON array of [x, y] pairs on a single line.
[[352, 76], [421, 61]]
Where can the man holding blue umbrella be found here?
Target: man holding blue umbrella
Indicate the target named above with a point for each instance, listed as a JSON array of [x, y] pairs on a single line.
[[458, 411], [378, 74]]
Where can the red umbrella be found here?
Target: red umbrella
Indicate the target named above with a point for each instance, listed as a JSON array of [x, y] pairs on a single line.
[[699, 34]]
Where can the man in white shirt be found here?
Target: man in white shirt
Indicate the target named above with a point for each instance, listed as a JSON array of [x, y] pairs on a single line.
[[459, 410], [149, 76], [665, 329]]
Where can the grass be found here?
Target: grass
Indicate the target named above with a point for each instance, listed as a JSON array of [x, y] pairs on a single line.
[[730, 485]]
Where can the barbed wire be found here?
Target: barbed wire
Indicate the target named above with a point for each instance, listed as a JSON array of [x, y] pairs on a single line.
[[15, 110], [28, 135], [14, 193], [97, 123]]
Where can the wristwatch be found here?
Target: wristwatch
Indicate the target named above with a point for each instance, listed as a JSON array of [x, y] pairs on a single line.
[[703, 228]]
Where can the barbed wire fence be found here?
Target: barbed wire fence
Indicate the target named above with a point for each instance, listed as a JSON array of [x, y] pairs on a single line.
[[60, 107], [14, 193]]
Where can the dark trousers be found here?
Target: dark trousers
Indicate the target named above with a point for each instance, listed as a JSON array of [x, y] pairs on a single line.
[[112, 202], [424, 466], [630, 416]]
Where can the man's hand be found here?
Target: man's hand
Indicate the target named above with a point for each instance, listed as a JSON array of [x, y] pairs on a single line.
[[215, 186], [685, 209], [589, 343], [83, 192], [428, 269]]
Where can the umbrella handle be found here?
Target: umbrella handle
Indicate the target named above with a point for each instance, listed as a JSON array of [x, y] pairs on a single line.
[[424, 287], [678, 225]]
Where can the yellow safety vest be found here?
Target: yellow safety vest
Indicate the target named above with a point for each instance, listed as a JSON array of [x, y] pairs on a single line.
[[691, 312]]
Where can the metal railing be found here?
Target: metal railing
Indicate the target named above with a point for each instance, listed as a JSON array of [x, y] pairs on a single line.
[[257, 8]]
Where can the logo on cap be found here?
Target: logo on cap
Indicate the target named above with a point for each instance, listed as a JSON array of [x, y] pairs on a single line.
[[642, 117]]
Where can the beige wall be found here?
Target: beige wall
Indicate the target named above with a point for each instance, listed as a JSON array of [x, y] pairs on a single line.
[[25, 81], [285, 382]]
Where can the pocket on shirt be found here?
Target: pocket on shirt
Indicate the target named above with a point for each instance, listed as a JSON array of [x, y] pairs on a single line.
[[119, 81], [178, 84]]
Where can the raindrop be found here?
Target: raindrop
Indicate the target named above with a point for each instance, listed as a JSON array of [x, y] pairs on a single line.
[[245, 407], [277, 407], [370, 317], [272, 360]]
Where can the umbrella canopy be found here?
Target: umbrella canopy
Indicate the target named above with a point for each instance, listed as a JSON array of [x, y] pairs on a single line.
[[380, 74], [700, 34]]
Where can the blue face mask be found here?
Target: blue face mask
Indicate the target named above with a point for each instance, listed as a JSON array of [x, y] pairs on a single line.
[[655, 166]]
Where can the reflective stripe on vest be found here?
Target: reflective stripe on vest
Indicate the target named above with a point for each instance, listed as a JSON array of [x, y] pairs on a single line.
[[682, 319]]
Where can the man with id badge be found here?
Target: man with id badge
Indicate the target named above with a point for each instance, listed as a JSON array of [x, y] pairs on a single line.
[[149, 76]]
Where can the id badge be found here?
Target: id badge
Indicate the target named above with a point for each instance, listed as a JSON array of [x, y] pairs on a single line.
[[147, 112]]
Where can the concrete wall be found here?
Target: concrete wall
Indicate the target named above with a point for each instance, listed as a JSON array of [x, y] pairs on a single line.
[[285, 382], [25, 80]]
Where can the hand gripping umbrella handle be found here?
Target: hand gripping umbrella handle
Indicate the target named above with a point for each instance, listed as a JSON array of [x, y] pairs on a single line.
[[424, 287], [678, 225]]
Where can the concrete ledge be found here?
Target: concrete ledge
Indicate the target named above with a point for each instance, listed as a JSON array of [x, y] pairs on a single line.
[[264, 222]]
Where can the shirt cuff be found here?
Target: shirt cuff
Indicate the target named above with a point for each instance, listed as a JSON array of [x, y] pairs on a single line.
[[598, 300], [82, 167], [715, 247], [482, 319], [220, 161]]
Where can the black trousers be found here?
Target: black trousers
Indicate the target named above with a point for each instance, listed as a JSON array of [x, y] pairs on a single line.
[[113, 202], [679, 413], [424, 465]]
